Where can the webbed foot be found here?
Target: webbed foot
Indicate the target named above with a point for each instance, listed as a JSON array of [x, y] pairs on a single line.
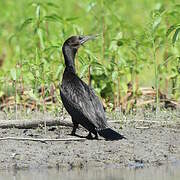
[[89, 136]]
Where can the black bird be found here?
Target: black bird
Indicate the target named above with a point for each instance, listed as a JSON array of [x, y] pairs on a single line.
[[79, 99]]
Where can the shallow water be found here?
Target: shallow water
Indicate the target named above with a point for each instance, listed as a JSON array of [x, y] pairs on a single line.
[[168, 172]]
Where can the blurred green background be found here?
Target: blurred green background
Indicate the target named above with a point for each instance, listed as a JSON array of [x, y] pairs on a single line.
[[138, 45]]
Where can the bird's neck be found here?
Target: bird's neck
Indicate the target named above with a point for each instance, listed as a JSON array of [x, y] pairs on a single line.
[[69, 57]]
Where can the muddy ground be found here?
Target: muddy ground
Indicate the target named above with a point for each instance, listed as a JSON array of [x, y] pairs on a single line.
[[151, 145]]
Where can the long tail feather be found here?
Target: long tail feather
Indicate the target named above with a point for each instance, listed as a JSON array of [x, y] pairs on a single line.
[[110, 134]]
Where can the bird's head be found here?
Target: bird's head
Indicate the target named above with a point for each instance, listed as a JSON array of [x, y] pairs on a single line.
[[75, 42], [70, 47]]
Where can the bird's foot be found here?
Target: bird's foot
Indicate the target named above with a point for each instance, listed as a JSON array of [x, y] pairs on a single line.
[[76, 135], [96, 137], [89, 136]]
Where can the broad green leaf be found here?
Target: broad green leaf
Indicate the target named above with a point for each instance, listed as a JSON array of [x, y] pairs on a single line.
[[13, 73], [114, 75], [98, 90], [158, 6], [52, 4], [32, 95], [39, 32], [90, 6], [113, 46], [53, 18], [11, 38], [103, 86], [171, 28], [156, 23], [128, 76], [94, 63], [84, 70], [177, 6], [38, 12], [37, 73], [119, 36], [26, 22], [71, 18], [120, 43]]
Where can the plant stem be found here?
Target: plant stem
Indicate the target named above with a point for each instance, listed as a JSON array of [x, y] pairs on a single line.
[[156, 76], [15, 98], [103, 30], [89, 75], [118, 93]]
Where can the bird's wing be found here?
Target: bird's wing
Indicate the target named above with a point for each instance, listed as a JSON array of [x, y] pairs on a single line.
[[84, 100]]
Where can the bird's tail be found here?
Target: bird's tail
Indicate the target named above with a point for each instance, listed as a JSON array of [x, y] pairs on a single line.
[[110, 134]]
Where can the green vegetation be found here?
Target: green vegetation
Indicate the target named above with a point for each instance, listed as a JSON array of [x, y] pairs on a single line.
[[138, 47]]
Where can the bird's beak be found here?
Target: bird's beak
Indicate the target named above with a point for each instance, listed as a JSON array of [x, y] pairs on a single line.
[[87, 38]]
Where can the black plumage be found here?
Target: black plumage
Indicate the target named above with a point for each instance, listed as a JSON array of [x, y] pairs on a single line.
[[79, 99]]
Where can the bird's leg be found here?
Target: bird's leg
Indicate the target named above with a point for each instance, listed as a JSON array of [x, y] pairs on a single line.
[[75, 126], [96, 135]]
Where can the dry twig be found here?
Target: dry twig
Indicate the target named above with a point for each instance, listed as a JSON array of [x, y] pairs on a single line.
[[26, 124], [41, 140]]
